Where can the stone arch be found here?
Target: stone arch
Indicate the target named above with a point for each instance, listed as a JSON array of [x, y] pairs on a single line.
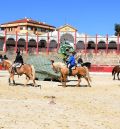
[[67, 37], [1, 43], [42, 43], [112, 45], [53, 44], [10, 44], [21, 44], [80, 45], [91, 45], [101, 45], [32, 46]]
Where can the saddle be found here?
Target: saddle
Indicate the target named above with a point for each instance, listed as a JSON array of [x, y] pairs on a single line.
[[73, 68]]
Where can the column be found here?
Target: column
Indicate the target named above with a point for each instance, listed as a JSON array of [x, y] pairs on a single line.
[[85, 44], [106, 43], [4, 46], [48, 37], [118, 43], [37, 44], [58, 41], [75, 40], [16, 41], [26, 42], [96, 45]]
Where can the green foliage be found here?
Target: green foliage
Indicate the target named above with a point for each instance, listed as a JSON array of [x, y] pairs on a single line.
[[64, 46], [117, 29]]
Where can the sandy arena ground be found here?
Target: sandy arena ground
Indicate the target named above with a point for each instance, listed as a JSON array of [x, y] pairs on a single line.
[[83, 107]]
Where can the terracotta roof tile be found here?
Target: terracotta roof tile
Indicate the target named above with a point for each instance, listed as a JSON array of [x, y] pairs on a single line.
[[28, 20]]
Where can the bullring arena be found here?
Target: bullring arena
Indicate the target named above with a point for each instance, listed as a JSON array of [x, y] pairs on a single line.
[[51, 106], [55, 107]]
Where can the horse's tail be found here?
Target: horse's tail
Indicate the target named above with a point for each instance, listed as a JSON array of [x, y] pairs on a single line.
[[87, 73], [113, 71], [33, 71]]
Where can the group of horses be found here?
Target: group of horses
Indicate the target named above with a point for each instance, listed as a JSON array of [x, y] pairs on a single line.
[[29, 71]]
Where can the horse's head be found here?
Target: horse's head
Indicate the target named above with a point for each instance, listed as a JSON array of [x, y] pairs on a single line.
[[6, 64], [53, 66]]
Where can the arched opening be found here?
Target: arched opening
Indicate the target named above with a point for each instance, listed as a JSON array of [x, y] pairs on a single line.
[[32, 46], [10, 44], [91, 45], [112, 45], [52, 45], [101, 45], [80, 45], [1, 43], [67, 37], [42, 45], [21, 44]]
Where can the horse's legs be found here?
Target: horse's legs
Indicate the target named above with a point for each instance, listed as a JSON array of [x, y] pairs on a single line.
[[12, 76], [86, 78], [79, 80], [118, 75], [27, 79], [9, 80], [114, 76], [64, 78]]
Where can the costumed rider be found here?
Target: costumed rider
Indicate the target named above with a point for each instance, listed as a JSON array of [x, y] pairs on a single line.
[[18, 61], [71, 62]]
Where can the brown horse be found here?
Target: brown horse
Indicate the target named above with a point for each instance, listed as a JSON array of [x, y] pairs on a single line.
[[26, 69], [116, 70], [79, 71]]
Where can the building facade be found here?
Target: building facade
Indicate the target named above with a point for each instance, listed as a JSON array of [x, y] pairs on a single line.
[[29, 37]]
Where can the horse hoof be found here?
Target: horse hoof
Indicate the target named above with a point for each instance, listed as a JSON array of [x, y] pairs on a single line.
[[77, 85]]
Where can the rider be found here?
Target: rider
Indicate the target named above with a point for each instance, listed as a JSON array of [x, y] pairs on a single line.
[[1, 58], [71, 62], [18, 60], [80, 61], [5, 57]]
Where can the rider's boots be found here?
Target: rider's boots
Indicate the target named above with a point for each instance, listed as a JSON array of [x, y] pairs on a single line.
[[70, 72]]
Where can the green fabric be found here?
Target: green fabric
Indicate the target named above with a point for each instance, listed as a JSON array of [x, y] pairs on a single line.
[[64, 46]]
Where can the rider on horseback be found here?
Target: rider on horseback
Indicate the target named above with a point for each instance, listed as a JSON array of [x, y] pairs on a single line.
[[18, 60], [71, 62]]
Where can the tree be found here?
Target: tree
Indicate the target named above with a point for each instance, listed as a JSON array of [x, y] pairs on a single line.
[[117, 29]]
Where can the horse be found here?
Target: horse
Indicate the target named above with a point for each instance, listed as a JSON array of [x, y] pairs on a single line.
[[79, 71], [26, 69], [116, 70]]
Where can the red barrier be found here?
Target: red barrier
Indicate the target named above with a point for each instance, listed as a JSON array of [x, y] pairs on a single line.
[[101, 68], [0, 67], [94, 68]]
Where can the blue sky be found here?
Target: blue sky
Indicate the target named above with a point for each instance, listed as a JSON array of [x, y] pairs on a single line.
[[88, 16]]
